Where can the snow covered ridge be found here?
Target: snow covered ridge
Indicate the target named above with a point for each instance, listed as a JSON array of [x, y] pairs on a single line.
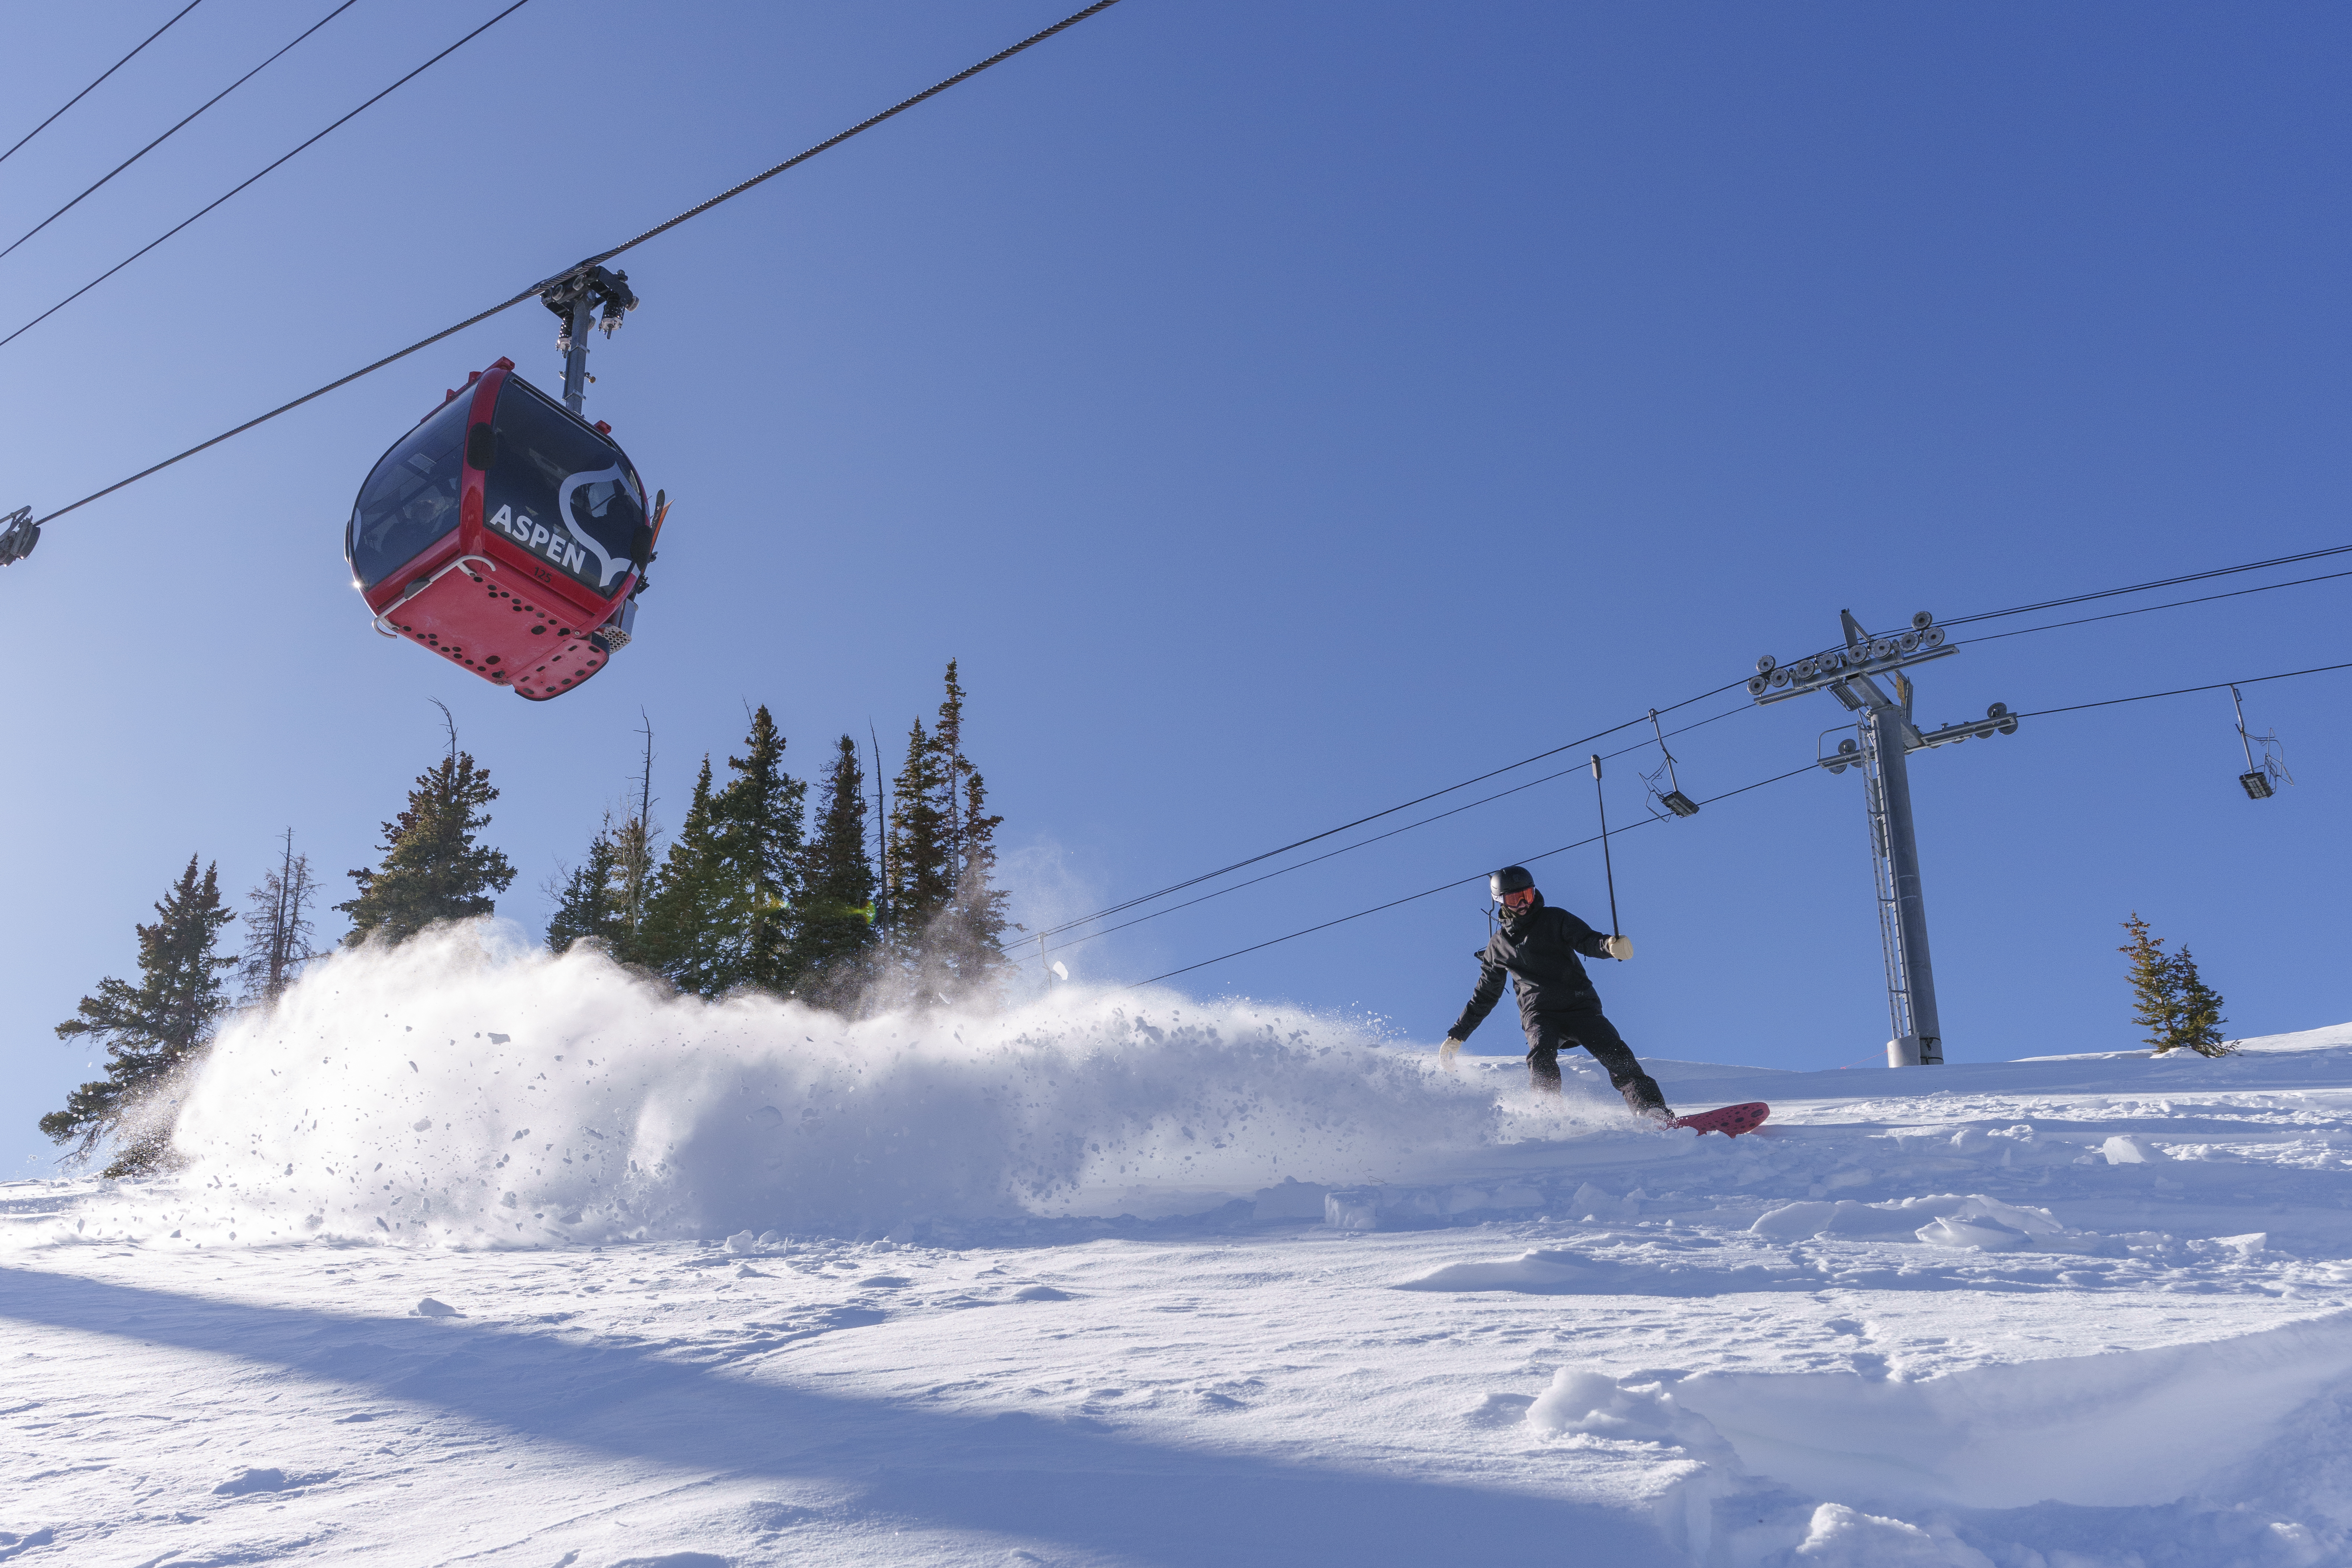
[[467, 1089]]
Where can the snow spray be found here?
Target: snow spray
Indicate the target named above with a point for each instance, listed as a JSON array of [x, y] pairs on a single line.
[[467, 1089]]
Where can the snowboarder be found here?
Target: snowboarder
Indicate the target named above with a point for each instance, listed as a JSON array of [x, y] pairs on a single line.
[[1537, 945]]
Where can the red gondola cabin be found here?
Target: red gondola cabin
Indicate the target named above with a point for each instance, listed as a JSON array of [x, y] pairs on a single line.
[[506, 534]]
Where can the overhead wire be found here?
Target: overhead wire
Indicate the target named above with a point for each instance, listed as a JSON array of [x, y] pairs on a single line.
[[1374, 817], [1449, 886], [2144, 587], [1777, 778], [109, 71], [1317, 859], [533, 292], [1038, 937], [2168, 604], [167, 135], [2184, 691], [217, 201]]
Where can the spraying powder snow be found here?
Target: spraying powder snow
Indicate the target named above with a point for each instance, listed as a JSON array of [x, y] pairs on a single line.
[[464, 1089]]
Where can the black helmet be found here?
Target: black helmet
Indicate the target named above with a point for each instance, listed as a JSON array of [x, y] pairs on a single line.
[[1510, 879]]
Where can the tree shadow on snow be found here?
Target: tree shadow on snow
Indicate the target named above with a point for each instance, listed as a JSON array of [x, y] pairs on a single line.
[[1076, 1482]]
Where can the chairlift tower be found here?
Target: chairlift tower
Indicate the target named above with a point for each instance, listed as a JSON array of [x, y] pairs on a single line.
[[1886, 738]]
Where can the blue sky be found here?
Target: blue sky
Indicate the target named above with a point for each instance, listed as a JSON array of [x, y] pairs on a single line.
[[1282, 411]]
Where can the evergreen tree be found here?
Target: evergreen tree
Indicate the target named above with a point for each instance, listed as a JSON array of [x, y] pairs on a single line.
[[690, 934], [277, 928], [947, 739], [835, 936], [2151, 981], [2170, 999], [947, 918], [433, 868], [723, 910], [2197, 1016], [968, 939], [149, 1030], [762, 840], [587, 907], [921, 822]]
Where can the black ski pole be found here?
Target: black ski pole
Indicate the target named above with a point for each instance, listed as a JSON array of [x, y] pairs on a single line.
[[1605, 865]]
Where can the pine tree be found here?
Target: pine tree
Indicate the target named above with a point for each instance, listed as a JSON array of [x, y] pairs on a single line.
[[759, 815], [921, 823], [2197, 1015], [721, 914], [432, 869], [969, 937], [2152, 982], [690, 934], [947, 918], [586, 906], [2171, 999], [947, 739], [149, 1030], [835, 936], [277, 928]]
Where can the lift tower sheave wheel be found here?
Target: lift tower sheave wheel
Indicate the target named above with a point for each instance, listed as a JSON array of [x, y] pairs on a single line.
[[576, 297]]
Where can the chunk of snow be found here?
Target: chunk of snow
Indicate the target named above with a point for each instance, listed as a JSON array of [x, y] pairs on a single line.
[[1581, 1399], [2123, 1148], [742, 1241], [1983, 1235], [1841, 1537], [1534, 1273], [1985, 1225], [429, 1308]]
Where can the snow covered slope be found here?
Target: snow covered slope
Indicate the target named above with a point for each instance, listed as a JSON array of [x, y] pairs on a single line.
[[486, 1257]]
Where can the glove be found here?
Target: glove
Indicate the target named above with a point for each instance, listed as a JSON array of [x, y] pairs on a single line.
[[1617, 947], [1447, 1052]]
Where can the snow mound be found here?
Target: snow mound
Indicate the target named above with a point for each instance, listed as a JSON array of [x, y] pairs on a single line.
[[1840, 1537], [464, 1090], [2009, 1435]]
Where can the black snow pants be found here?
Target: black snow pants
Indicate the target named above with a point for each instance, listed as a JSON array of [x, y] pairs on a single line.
[[1550, 1033]]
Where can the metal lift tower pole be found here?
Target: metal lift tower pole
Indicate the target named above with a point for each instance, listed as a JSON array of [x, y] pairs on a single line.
[[1887, 739], [1918, 1038]]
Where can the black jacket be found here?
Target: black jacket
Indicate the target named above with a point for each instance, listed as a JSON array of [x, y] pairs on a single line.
[[1537, 949]]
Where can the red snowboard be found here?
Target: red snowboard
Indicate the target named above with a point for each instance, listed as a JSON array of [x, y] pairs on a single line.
[[1731, 1120]]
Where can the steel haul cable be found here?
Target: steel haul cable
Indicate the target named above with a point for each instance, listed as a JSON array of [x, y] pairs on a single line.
[[2185, 690], [2169, 604], [2142, 587], [1375, 816], [1345, 849], [1759, 784], [1990, 637], [167, 135], [1463, 882], [532, 292], [217, 201], [109, 71]]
